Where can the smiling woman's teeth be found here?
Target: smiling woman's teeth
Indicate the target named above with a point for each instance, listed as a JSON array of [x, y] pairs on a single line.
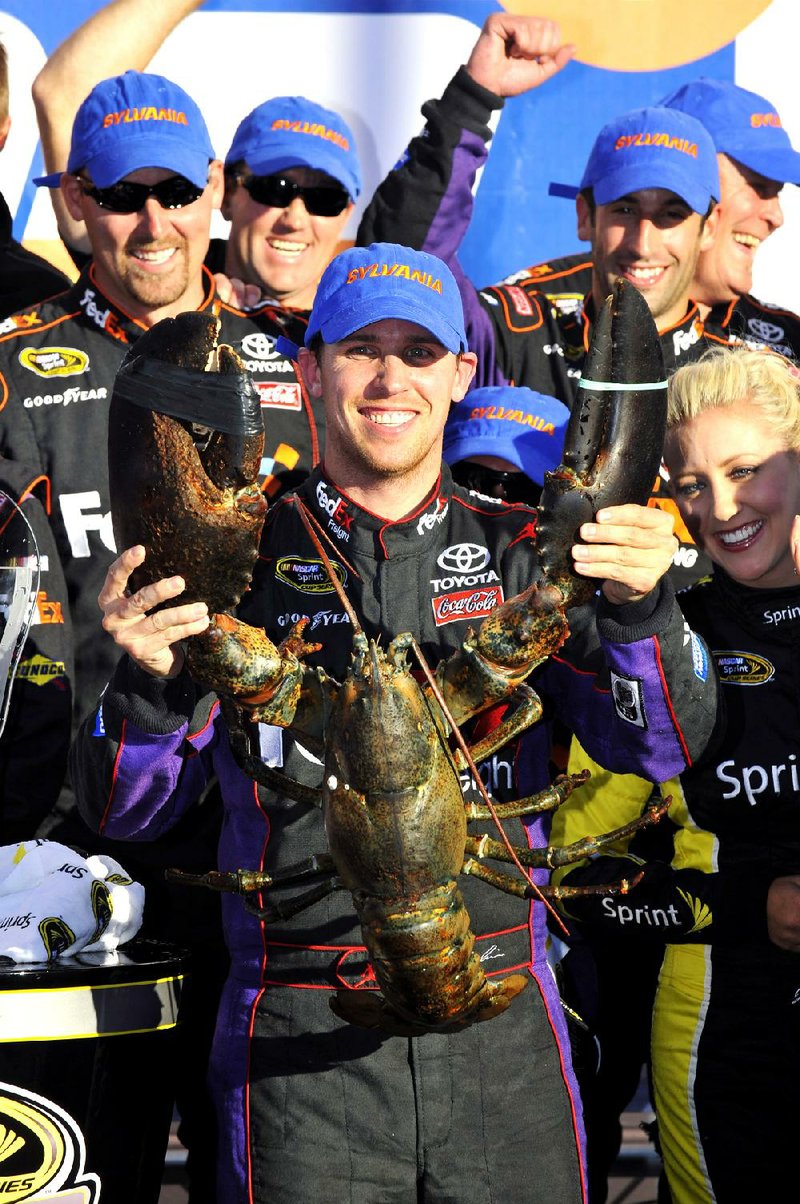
[[740, 535]]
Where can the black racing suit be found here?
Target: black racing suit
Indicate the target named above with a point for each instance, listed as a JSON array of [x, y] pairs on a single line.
[[310, 1108], [746, 320], [726, 1030]]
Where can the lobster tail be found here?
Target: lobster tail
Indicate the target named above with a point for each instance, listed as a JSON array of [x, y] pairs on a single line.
[[614, 439]]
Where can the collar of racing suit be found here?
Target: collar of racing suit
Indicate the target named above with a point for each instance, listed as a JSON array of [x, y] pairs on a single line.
[[351, 527], [87, 296]]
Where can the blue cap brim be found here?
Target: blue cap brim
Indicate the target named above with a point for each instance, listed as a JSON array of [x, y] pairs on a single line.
[[635, 177], [286, 347], [781, 164], [384, 304], [533, 453], [564, 190], [51, 181]]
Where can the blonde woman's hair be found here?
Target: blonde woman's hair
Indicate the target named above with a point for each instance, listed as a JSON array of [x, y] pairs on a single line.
[[727, 375]]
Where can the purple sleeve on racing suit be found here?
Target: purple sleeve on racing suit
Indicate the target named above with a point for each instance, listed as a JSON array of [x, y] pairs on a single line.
[[426, 202]]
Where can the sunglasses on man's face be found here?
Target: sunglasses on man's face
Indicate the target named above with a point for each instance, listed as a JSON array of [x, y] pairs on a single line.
[[492, 482], [126, 197], [278, 192]]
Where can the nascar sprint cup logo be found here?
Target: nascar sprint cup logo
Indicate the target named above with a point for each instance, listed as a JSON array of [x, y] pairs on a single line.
[[42, 1151]]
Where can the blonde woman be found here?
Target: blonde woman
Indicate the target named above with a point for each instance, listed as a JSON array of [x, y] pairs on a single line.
[[726, 1024]]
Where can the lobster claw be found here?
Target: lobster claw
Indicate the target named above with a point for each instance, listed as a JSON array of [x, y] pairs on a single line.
[[614, 438], [612, 453], [185, 442]]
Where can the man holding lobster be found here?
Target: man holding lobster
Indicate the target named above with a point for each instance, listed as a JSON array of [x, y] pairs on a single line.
[[312, 1108]]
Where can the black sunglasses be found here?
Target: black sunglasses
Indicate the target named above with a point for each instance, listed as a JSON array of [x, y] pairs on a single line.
[[323, 200], [491, 482], [127, 197]]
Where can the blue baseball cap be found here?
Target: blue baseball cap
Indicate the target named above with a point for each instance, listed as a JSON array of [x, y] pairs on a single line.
[[744, 126], [385, 280], [290, 131], [651, 148], [137, 120], [516, 424]]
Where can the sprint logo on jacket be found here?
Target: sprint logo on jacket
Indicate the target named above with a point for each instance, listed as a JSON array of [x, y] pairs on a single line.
[[751, 781]]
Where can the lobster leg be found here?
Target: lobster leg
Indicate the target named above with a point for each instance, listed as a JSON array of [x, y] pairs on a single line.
[[551, 858], [249, 882], [527, 712], [516, 886], [546, 800]]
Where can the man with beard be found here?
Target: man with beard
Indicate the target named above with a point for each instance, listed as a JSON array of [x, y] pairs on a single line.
[[143, 177]]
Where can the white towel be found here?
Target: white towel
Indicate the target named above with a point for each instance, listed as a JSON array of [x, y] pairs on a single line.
[[54, 902]]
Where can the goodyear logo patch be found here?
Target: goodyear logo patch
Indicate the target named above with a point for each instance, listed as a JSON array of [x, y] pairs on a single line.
[[54, 361], [42, 1151], [743, 668], [308, 575], [38, 670]]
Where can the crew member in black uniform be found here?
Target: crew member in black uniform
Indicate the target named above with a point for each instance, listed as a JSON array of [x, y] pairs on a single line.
[[755, 159], [143, 176]]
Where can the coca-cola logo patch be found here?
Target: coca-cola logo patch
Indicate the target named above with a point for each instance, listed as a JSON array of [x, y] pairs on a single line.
[[466, 604], [279, 396]]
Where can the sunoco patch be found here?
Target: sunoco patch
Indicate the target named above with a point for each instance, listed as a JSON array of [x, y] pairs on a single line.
[[628, 699], [743, 668], [308, 575]]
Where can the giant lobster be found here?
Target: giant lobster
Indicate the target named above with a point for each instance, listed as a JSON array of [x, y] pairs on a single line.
[[395, 816]]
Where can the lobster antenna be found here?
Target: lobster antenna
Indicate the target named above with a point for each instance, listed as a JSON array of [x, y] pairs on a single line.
[[462, 744], [306, 520]]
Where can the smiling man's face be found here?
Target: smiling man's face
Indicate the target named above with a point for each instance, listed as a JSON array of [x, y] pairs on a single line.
[[749, 211], [149, 262], [283, 250], [387, 391], [652, 239]]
